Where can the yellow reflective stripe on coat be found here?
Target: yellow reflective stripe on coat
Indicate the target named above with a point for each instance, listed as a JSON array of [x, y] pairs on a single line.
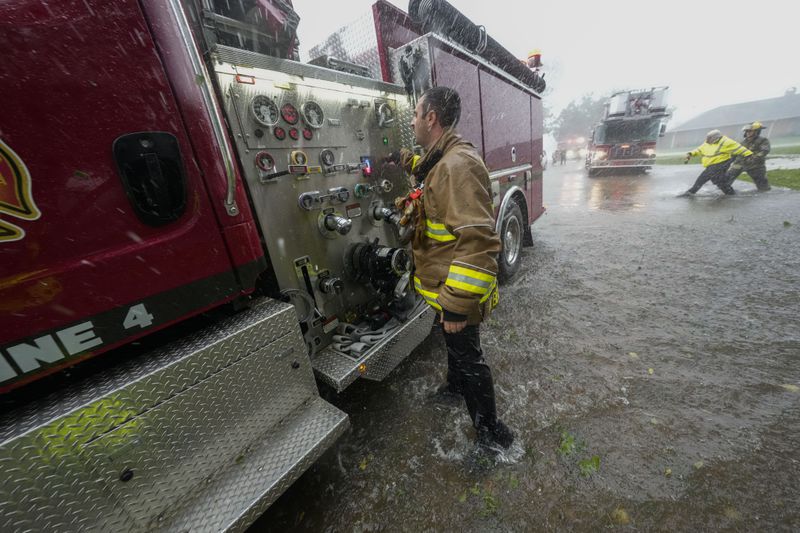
[[430, 297], [470, 280], [720, 151], [438, 232]]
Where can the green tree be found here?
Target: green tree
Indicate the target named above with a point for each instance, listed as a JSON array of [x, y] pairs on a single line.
[[579, 117]]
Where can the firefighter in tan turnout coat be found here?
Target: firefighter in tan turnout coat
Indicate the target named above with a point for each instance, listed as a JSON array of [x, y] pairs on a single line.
[[455, 253]]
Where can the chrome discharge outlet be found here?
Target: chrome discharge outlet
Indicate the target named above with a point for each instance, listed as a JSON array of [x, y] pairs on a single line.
[[331, 285], [386, 214], [337, 223]]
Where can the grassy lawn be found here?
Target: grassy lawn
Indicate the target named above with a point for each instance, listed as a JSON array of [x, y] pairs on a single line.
[[670, 159], [785, 150], [780, 177], [777, 151]]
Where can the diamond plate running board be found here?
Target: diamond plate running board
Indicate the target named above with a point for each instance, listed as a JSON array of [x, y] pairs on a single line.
[[239, 495], [339, 370], [212, 426]]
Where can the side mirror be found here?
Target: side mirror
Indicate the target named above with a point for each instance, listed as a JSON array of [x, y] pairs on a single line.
[[663, 130]]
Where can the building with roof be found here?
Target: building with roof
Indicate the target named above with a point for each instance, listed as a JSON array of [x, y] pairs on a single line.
[[780, 116]]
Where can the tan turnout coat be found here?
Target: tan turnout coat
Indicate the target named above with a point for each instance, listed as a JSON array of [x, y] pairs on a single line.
[[456, 246]]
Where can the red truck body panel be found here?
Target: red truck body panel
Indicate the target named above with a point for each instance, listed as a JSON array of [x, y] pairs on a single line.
[[494, 124], [80, 75]]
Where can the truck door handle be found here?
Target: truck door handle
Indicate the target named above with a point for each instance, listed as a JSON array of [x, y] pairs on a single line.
[[151, 168]]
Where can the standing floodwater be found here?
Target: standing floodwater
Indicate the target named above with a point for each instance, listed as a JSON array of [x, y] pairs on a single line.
[[648, 355]]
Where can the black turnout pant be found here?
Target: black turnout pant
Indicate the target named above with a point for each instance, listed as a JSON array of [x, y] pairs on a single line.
[[468, 373], [759, 175], [716, 174]]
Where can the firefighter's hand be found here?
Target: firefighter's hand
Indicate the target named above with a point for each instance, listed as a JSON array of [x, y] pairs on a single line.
[[452, 322], [453, 327], [393, 158]]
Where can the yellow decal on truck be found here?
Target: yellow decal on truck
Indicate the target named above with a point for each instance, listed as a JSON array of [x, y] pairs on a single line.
[[16, 199]]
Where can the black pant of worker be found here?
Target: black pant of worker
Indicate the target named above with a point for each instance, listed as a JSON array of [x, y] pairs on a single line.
[[468, 373], [759, 175], [716, 174]]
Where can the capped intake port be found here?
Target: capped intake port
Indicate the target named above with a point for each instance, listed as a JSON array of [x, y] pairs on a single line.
[[327, 158], [298, 157], [265, 161]]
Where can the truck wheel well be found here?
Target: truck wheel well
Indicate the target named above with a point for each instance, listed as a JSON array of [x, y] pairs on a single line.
[[527, 237]]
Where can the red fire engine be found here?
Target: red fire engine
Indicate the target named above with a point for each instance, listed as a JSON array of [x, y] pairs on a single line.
[[196, 229], [627, 135]]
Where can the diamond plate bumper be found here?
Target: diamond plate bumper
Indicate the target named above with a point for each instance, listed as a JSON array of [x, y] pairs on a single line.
[[623, 163], [201, 435], [339, 371]]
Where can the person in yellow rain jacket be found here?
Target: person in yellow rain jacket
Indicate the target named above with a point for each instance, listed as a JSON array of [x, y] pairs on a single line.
[[717, 153], [455, 251]]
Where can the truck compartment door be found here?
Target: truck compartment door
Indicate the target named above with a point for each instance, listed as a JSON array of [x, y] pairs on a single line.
[[126, 222]]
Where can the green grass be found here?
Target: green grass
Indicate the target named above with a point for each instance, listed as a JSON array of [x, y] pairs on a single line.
[[670, 159], [677, 159], [785, 150], [780, 177]]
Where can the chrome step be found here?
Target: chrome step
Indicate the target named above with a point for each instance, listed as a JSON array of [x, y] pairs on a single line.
[[339, 370], [238, 495]]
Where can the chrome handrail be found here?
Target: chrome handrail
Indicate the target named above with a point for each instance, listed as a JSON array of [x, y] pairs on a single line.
[[204, 82]]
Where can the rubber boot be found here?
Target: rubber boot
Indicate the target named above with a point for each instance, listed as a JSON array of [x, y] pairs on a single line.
[[500, 435]]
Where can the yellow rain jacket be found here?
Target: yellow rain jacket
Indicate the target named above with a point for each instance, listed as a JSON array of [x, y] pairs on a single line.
[[456, 247], [720, 151]]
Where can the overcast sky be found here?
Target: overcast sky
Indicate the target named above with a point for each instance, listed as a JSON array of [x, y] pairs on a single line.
[[710, 53]]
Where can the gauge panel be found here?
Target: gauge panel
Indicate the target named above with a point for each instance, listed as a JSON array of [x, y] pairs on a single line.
[[313, 114], [264, 110]]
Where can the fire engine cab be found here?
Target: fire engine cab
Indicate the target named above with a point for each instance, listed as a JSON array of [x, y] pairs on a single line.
[[198, 230], [626, 137]]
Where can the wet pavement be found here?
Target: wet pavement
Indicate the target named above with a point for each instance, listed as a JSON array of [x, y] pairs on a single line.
[[648, 355]]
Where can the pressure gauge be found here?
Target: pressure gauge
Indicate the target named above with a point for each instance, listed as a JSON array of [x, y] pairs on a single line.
[[289, 113], [294, 134], [385, 115], [264, 110], [298, 157], [313, 115], [279, 133], [308, 134]]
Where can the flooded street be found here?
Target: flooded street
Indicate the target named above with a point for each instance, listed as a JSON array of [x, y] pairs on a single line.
[[648, 356]]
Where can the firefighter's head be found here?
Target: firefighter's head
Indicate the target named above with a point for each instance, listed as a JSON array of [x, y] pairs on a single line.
[[753, 130], [713, 136], [438, 109]]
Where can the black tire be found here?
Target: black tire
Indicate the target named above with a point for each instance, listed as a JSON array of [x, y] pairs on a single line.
[[512, 232]]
